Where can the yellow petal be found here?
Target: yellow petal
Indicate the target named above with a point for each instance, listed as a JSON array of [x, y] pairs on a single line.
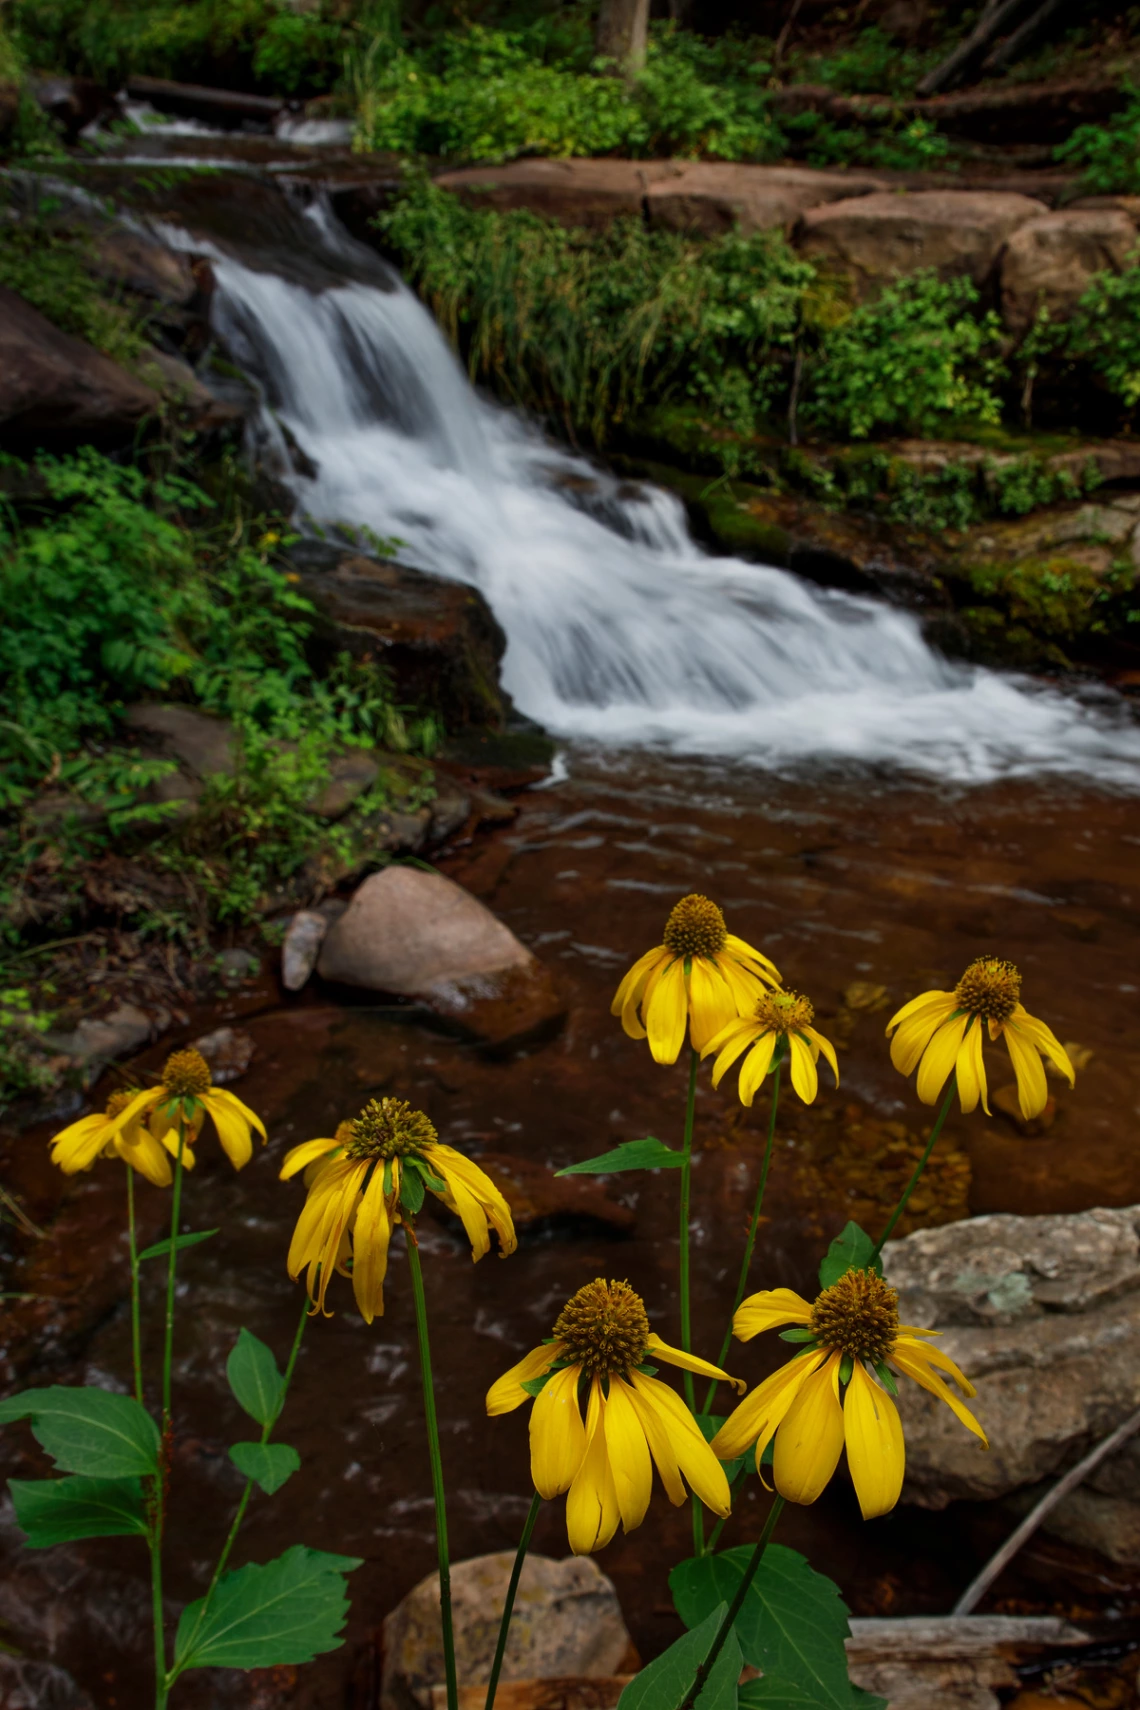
[[971, 1069], [463, 1172], [712, 1002], [876, 1450], [77, 1147], [805, 1077], [732, 1038], [1032, 1089], [752, 959], [146, 1156], [758, 1416], [139, 1105], [939, 1058], [755, 1067], [695, 1458], [371, 1235], [747, 984], [810, 1438], [657, 1436], [666, 1013], [219, 1095], [908, 1361], [634, 979], [915, 1348], [299, 1158], [1045, 1040], [940, 1003], [828, 1049], [232, 1127], [591, 1506], [690, 1363], [507, 1393], [628, 1454], [765, 1310], [557, 1435]]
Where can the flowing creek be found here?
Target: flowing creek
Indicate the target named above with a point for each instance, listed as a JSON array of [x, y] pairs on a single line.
[[865, 812]]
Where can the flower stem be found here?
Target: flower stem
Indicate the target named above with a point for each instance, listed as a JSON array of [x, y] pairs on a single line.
[[753, 1228], [686, 1194], [136, 1332], [733, 1491], [508, 1606], [436, 1469], [171, 1267], [154, 1541], [158, 1501], [734, 1607], [922, 1163]]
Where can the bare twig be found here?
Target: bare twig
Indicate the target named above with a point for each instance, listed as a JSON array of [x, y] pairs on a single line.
[[956, 65], [1022, 39], [782, 38], [978, 1586]]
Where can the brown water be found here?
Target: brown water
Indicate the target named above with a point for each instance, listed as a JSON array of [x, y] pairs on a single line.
[[879, 883]]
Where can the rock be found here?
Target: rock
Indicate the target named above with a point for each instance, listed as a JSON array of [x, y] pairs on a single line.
[[438, 638], [567, 1621], [101, 1040], [73, 102], [713, 196], [303, 939], [28, 1685], [576, 192], [450, 811], [876, 239], [1048, 262], [537, 1196], [228, 1051], [566, 1692], [1043, 1315], [57, 391], [133, 260], [419, 935], [1007, 1101], [204, 745], [237, 966], [349, 776], [176, 382], [953, 1662]]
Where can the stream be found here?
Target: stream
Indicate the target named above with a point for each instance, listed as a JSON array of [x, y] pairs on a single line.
[[870, 814]]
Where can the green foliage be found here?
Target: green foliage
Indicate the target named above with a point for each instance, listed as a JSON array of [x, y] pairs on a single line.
[[1105, 329], [269, 1465], [850, 1251], [647, 1154], [253, 1377], [1109, 153], [22, 1066], [587, 325], [913, 361], [161, 1249], [870, 64], [58, 1510], [287, 1611], [664, 1683], [887, 141], [90, 1431]]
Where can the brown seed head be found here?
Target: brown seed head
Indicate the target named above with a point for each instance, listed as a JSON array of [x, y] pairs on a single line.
[[989, 988], [186, 1075], [389, 1128], [695, 928], [119, 1101], [605, 1328], [784, 1012], [858, 1315]]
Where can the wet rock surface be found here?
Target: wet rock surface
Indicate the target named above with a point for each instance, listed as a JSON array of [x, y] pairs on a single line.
[[1048, 262], [57, 391]]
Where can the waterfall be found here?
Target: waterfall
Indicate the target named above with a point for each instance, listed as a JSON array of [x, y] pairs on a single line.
[[621, 630]]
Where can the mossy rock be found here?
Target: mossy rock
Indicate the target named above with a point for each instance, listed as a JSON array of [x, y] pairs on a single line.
[[1058, 597]]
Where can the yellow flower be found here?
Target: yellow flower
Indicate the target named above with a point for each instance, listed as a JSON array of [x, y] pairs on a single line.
[[362, 1181], [600, 1344], [852, 1331], [77, 1147], [779, 1017], [185, 1092], [700, 974], [943, 1032]]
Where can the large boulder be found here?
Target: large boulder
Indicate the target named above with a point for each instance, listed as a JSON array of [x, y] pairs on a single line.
[[1048, 262], [1043, 1316], [874, 240], [419, 935], [567, 1622], [58, 391], [576, 192], [711, 197]]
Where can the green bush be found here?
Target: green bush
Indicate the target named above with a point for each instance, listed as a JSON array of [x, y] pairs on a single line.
[[586, 326], [914, 361], [1105, 331], [1110, 153]]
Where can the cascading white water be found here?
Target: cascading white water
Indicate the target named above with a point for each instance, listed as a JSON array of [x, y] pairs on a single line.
[[620, 629]]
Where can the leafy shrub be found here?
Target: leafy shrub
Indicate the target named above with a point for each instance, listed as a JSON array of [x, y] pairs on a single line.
[[1108, 153], [1105, 331], [586, 325], [886, 143], [913, 361], [870, 64]]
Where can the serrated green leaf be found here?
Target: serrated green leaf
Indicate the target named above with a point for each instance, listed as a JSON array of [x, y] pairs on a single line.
[[253, 1376], [285, 1611], [850, 1251], [665, 1682], [58, 1510], [162, 1248], [88, 1430], [710, 1424], [793, 1622], [269, 1465], [411, 1190], [648, 1154]]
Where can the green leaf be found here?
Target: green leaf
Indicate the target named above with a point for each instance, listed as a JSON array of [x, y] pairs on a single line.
[[710, 1424], [285, 1611], [647, 1154], [800, 1333], [793, 1623], [57, 1510], [88, 1430], [411, 1190], [770, 1693], [254, 1378], [268, 1464], [850, 1251], [664, 1683], [535, 1385], [162, 1248]]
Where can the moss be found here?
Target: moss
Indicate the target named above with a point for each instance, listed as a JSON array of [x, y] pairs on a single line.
[[1057, 597]]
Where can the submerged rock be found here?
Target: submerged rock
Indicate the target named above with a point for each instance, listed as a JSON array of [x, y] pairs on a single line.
[[567, 1621]]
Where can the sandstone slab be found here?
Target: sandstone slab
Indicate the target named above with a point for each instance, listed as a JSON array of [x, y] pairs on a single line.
[[710, 197], [205, 746], [576, 192], [58, 391], [1048, 262], [874, 240], [567, 1621]]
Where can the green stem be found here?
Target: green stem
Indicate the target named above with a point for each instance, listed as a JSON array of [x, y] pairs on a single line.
[[733, 1492], [734, 1607], [508, 1606], [136, 1332], [158, 1504], [154, 1540], [436, 1470], [243, 1504], [686, 1195], [914, 1180], [753, 1228], [171, 1267]]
